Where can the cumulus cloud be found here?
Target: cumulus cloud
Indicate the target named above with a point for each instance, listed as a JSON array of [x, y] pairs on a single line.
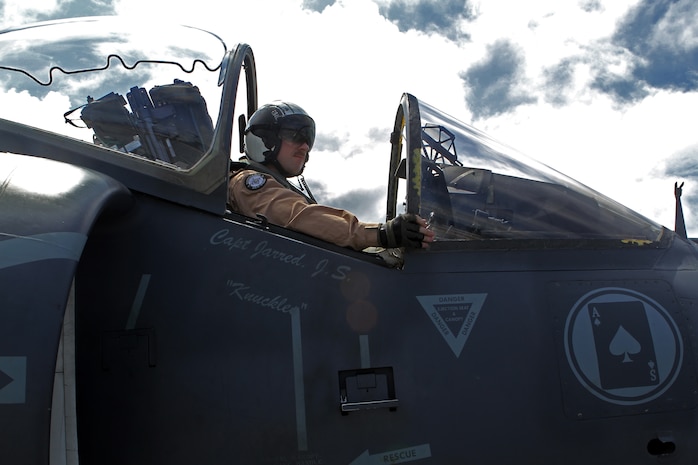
[[74, 8], [653, 47], [663, 35], [444, 17], [317, 5], [497, 84], [15, 13], [683, 164], [558, 80], [361, 202], [613, 73], [341, 144], [379, 135], [328, 142], [368, 204], [590, 5]]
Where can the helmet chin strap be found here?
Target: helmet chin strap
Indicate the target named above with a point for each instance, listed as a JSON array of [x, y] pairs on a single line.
[[271, 158]]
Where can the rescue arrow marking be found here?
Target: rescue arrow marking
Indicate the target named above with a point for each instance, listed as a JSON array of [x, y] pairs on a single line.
[[408, 454]]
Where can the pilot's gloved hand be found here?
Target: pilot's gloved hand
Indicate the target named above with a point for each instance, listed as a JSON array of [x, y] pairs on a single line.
[[405, 230]]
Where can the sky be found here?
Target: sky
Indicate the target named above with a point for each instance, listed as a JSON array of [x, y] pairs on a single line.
[[604, 91]]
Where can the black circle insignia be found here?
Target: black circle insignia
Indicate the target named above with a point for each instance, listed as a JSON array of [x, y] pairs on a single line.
[[622, 346], [255, 181]]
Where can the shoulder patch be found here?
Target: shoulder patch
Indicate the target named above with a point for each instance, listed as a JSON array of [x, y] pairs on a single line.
[[255, 181]]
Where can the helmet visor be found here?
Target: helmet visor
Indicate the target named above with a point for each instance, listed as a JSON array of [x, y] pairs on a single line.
[[298, 136], [298, 129]]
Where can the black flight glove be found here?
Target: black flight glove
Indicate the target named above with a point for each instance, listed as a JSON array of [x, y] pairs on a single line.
[[401, 231]]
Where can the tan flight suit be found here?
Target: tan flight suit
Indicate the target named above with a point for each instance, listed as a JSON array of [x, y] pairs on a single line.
[[251, 192]]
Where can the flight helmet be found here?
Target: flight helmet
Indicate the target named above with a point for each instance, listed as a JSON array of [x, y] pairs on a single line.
[[273, 122]]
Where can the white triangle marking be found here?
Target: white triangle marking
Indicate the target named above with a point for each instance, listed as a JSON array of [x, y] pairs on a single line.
[[465, 309]]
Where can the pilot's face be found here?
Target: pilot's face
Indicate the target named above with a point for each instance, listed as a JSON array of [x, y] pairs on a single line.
[[292, 156]]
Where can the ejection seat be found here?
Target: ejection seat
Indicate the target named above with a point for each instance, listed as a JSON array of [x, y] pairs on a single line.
[[170, 123]]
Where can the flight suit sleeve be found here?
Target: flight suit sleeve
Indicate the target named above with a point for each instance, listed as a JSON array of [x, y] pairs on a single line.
[[251, 193]]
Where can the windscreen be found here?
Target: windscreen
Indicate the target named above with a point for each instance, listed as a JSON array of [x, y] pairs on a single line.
[[476, 188]]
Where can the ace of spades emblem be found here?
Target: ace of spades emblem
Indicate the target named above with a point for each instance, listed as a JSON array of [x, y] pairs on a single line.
[[624, 344]]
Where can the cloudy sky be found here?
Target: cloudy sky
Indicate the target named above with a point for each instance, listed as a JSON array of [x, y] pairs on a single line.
[[605, 91]]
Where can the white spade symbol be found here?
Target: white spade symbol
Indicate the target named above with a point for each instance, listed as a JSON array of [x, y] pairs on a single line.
[[623, 343]]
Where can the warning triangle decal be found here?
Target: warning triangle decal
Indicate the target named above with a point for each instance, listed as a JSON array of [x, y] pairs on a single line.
[[454, 316]]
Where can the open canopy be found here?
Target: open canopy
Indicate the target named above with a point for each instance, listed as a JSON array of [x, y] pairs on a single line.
[[471, 187], [153, 105]]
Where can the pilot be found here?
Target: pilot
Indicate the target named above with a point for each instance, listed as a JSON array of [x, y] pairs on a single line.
[[278, 139]]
